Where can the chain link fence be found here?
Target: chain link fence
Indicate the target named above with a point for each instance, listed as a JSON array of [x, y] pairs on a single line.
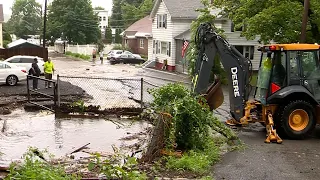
[[112, 92]]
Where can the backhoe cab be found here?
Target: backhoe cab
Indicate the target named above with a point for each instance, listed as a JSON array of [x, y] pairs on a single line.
[[287, 94]]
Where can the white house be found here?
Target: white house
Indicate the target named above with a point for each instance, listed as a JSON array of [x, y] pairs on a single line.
[[171, 25], [1, 21], [103, 18]]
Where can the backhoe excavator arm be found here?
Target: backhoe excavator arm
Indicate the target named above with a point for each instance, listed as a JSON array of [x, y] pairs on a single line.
[[209, 43]]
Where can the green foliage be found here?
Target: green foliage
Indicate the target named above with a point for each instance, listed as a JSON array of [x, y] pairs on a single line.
[[192, 53], [113, 169], [133, 13], [25, 18], [100, 45], [6, 33], [108, 35], [198, 162], [118, 38], [77, 55], [116, 16], [35, 168], [99, 8], [74, 21], [125, 13], [191, 121], [273, 20], [121, 47]]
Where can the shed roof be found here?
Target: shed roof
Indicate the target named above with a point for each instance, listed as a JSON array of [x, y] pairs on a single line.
[[20, 42]]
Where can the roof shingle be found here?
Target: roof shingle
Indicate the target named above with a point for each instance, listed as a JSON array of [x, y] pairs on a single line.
[[143, 25], [183, 8]]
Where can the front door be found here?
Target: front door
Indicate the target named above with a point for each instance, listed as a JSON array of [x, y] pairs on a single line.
[[310, 72]]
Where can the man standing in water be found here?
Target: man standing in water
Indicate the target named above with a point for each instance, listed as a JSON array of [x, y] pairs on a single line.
[[48, 72]]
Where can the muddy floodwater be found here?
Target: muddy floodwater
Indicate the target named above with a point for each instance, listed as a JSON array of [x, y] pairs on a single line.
[[61, 136]]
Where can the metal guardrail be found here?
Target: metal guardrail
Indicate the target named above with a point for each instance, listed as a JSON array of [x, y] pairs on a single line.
[[54, 96]]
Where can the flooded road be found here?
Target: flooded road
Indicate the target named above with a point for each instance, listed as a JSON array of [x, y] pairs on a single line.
[[61, 136]]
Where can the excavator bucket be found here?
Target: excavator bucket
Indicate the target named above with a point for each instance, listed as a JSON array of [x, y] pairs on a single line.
[[214, 95]]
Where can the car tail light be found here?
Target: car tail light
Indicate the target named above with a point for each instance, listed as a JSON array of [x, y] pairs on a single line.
[[24, 71]]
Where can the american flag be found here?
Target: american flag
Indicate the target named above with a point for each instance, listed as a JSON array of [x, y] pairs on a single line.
[[184, 47]]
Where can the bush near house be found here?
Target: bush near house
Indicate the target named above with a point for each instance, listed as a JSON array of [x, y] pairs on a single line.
[[121, 47], [77, 55]]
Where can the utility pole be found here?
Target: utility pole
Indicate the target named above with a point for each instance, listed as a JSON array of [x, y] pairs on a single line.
[[44, 24], [304, 21]]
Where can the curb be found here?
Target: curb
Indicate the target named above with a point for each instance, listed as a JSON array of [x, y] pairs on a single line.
[[165, 79], [165, 72]]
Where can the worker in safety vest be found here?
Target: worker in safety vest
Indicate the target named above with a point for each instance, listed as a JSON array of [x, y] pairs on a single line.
[[48, 72]]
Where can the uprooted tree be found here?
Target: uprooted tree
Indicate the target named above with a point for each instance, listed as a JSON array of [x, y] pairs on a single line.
[[184, 122]]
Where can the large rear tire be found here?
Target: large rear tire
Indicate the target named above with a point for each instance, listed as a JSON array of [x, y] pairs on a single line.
[[296, 120]]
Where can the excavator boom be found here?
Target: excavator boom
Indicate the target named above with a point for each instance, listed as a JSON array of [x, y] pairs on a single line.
[[210, 44]]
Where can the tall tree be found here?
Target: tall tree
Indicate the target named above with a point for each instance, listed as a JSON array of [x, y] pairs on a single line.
[[132, 13], [279, 21], [116, 17], [118, 36], [108, 35], [73, 20], [25, 18], [6, 35]]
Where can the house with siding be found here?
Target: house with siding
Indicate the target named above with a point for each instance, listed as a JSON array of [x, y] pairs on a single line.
[[1, 21], [171, 21], [137, 36]]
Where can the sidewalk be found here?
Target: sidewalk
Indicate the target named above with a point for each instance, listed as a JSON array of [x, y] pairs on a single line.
[[166, 76]]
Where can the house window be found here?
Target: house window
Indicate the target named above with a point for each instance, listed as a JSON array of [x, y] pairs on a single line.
[[162, 47], [100, 27], [99, 18], [104, 18], [141, 43], [104, 27], [162, 21], [246, 51], [126, 42]]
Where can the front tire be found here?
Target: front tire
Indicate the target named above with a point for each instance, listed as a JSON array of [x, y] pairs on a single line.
[[12, 80], [297, 119]]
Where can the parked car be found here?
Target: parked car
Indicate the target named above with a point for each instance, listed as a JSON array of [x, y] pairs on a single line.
[[26, 61], [12, 74], [126, 59], [117, 53]]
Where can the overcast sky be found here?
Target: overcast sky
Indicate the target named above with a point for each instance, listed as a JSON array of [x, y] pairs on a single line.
[[107, 4]]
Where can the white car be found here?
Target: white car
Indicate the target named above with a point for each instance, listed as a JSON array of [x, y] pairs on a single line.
[[12, 74], [26, 62], [117, 53]]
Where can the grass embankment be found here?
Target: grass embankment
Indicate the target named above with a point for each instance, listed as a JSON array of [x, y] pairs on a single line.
[[78, 56]]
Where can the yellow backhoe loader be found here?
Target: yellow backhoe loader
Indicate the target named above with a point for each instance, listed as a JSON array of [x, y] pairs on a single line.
[[286, 97]]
